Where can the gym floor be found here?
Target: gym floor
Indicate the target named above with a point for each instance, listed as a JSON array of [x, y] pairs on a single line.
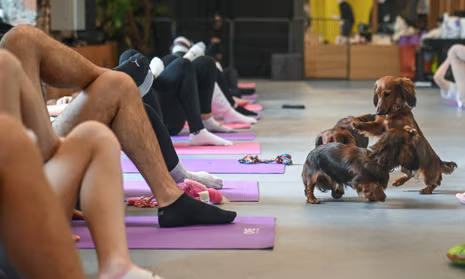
[[406, 237]]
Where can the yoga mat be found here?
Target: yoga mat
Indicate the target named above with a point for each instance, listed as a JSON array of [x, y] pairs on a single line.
[[254, 107], [238, 148], [234, 191], [215, 166], [240, 135], [246, 85], [143, 233], [252, 98], [230, 125]]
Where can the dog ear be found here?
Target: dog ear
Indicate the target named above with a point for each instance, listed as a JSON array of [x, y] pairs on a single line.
[[407, 89], [347, 139], [319, 140], [375, 100]]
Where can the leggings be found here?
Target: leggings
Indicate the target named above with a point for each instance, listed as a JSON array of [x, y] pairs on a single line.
[[167, 149], [206, 75], [175, 89], [456, 56]]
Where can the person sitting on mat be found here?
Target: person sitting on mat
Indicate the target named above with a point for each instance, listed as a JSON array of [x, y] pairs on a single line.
[[207, 73], [173, 94], [452, 90], [113, 99], [44, 175]]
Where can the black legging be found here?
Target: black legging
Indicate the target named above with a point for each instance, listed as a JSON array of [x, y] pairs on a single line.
[[175, 89], [166, 145], [205, 71]]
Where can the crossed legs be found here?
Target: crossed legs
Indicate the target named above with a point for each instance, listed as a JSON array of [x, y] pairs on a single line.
[[113, 99]]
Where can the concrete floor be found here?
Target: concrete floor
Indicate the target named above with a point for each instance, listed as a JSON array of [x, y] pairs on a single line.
[[405, 237]]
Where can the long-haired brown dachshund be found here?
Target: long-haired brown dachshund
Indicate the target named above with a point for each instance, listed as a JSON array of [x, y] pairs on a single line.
[[344, 133], [394, 99], [335, 165]]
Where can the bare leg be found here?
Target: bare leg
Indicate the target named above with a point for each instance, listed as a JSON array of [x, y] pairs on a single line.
[[87, 163], [21, 100], [110, 97], [40, 244], [456, 55], [439, 77]]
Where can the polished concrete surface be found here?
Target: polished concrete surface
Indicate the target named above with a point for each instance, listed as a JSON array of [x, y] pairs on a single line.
[[405, 237]]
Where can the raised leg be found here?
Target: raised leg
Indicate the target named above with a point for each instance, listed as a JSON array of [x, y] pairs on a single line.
[[401, 180], [87, 165], [33, 228]]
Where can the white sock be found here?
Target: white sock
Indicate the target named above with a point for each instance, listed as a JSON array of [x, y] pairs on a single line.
[[221, 107], [179, 174], [214, 126], [204, 137], [233, 116], [195, 51], [139, 273]]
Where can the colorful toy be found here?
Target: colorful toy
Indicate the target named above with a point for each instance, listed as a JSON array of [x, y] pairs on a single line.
[[457, 254], [198, 191], [285, 159]]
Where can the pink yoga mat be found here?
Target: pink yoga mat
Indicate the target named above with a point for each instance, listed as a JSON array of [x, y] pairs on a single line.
[[214, 166], [254, 107], [246, 85], [240, 135], [234, 191], [252, 98], [143, 233], [238, 148]]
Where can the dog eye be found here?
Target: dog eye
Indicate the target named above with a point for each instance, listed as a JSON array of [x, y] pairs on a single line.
[[387, 94]]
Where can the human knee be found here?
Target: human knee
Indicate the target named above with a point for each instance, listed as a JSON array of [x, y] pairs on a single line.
[[22, 36], [95, 134], [454, 50], [122, 85]]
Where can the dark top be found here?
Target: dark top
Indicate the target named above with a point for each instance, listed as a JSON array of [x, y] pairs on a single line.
[[346, 12]]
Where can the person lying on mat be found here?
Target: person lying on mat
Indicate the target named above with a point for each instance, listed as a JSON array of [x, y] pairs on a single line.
[[208, 74], [454, 91], [50, 174], [174, 165], [112, 98], [173, 94]]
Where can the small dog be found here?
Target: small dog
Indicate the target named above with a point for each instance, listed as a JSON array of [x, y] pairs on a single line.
[[335, 165], [344, 133], [394, 99]]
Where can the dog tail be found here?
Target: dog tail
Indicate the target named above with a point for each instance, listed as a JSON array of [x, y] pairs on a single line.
[[448, 167]]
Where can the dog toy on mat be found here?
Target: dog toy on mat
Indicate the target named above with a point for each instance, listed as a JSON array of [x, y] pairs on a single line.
[[198, 191], [457, 254], [142, 202], [285, 159]]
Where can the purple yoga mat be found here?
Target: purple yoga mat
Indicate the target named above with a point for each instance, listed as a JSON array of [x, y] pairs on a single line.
[[235, 191], [241, 135], [144, 233], [215, 166]]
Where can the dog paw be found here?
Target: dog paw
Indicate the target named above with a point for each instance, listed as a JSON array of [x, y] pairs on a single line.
[[313, 201], [398, 182], [426, 191]]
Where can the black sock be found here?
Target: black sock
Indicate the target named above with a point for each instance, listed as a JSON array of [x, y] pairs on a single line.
[[245, 111], [186, 211]]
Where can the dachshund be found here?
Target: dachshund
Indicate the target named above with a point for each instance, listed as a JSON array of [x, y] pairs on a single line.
[[344, 133], [335, 165], [394, 99]]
